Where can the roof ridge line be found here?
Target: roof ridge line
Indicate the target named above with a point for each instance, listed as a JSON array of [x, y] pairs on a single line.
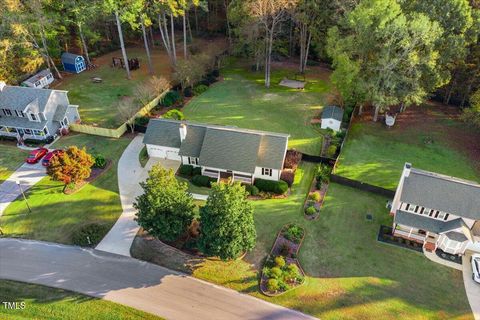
[[445, 177]]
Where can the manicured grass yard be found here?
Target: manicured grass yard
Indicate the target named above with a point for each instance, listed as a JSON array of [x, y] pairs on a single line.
[[50, 303], [427, 138], [56, 215], [350, 274], [11, 158], [242, 100], [98, 101]]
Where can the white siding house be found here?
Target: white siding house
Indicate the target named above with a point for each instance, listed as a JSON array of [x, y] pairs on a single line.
[[222, 152], [438, 211]]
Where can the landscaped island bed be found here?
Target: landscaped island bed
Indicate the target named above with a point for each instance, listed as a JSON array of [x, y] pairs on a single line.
[[55, 215], [51, 303], [430, 137]]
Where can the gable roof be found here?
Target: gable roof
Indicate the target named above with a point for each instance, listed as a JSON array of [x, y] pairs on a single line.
[[70, 58], [426, 223], [222, 147], [332, 112], [38, 76], [18, 98], [432, 190]]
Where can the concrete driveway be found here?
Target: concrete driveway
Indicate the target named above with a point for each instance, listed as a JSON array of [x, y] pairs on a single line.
[[131, 282], [27, 175], [130, 173], [471, 287]]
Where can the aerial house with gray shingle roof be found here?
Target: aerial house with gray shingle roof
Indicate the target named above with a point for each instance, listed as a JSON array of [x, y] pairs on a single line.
[[221, 151], [438, 211], [31, 113]]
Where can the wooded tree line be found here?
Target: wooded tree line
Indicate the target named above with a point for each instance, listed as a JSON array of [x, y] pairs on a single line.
[[384, 52]]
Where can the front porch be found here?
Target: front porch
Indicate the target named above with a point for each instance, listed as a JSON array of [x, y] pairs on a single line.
[[225, 176]]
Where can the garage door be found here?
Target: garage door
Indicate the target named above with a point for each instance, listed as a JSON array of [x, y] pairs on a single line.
[[159, 152]]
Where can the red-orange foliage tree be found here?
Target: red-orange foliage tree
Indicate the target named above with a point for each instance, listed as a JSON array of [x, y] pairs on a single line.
[[72, 166]]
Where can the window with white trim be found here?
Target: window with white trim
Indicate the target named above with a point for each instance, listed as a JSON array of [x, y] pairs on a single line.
[[266, 172], [28, 131], [33, 117], [193, 160], [7, 112]]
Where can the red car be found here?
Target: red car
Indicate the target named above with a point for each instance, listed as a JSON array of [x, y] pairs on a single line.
[[49, 156], [35, 155]]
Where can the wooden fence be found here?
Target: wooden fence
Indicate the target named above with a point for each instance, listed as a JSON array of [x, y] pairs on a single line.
[[118, 132]]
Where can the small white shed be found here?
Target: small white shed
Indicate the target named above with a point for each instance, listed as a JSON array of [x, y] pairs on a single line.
[[332, 118], [41, 80]]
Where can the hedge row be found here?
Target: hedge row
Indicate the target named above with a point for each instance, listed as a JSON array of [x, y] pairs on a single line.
[[278, 187], [189, 170], [203, 181]]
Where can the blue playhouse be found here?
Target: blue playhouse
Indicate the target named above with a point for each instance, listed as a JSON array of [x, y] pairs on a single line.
[[73, 62]]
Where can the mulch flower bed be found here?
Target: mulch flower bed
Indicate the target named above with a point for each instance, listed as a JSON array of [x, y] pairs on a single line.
[[282, 271], [95, 173], [309, 201]]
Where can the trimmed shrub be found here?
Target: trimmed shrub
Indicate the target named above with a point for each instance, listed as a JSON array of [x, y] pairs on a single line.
[[186, 170], [199, 89], [202, 181], [278, 187], [197, 171], [252, 190], [314, 196], [100, 161], [142, 121], [210, 78], [279, 261], [331, 151], [310, 211], [188, 92], [287, 176], [293, 233], [89, 235], [272, 285], [282, 286], [174, 114], [276, 272], [216, 73], [292, 159], [266, 272], [170, 98]]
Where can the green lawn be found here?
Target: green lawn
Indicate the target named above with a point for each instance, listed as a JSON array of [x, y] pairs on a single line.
[[11, 158], [242, 100], [376, 155], [50, 303], [350, 274], [56, 215], [193, 188]]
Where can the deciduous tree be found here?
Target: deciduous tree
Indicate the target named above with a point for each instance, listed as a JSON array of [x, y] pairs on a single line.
[[71, 167]]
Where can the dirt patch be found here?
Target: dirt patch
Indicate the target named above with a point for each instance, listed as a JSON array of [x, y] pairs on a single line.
[[148, 248]]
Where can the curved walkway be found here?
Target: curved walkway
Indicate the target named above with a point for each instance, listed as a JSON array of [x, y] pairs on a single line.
[[131, 282]]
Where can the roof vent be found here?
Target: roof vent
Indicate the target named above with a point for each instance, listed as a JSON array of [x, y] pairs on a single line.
[[2, 85], [407, 169]]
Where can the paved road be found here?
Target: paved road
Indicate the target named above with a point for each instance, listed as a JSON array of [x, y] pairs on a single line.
[[128, 281], [27, 175], [471, 287]]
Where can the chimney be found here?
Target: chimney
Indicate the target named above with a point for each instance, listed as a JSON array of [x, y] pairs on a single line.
[[183, 131], [2, 85], [407, 169]]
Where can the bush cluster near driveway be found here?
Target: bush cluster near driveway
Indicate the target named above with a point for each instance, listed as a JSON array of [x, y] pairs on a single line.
[[349, 274], [56, 216], [11, 158], [242, 100], [50, 303], [376, 155]]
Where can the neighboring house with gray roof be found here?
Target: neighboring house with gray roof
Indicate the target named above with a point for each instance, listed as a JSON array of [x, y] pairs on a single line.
[[438, 211], [332, 118], [31, 113], [221, 151]]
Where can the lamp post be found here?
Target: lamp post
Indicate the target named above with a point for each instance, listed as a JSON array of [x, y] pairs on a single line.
[[24, 198]]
